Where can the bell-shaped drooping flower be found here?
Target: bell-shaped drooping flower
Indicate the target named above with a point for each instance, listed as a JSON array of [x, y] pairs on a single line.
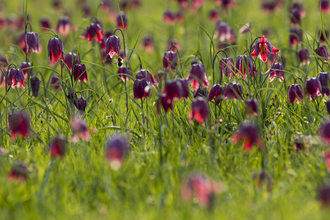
[[324, 132], [169, 17], [18, 172], [55, 83], [94, 30], [173, 45], [197, 76], [25, 67], [217, 93], [201, 189], [19, 124], [183, 3], [261, 47], [112, 45], [295, 36], [32, 42], [21, 41], [295, 93], [185, 93], [173, 90], [323, 196], [196, 4], [234, 91], [163, 102], [295, 17], [251, 107], [170, 60], [120, 18], [64, 26], [71, 59], [123, 72], [262, 178], [271, 6], [246, 28], [179, 17], [276, 71], [148, 43], [224, 33], [199, 110], [313, 87], [105, 37], [300, 7], [324, 79], [244, 65], [141, 88], [16, 78], [227, 3], [145, 74], [116, 151], [227, 66], [213, 15], [35, 86], [79, 129], [324, 6], [3, 77], [57, 147], [249, 134], [200, 92], [323, 36], [45, 23], [323, 52], [81, 105], [55, 49], [79, 72], [303, 56]]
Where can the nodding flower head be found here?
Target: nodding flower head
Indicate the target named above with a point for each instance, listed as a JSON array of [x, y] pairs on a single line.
[[173, 45], [226, 4], [276, 71], [145, 74], [112, 46], [55, 49], [197, 76], [300, 7], [304, 58], [148, 43], [163, 102], [295, 36], [213, 15], [25, 67], [45, 23], [217, 93], [295, 17], [121, 19], [271, 6], [170, 60], [179, 16], [35, 86], [32, 42], [261, 47], [200, 92], [313, 87], [324, 79], [185, 88], [169, 17], [244, 65], [71, 59], [246, 28], [94, 30], [323, 52], [55, 83], [19, 124], [124, 72], [141, 88], [324, 6], [57, 147], [199, 110], [234, 91], [63, 26], [116, 151], [227, 66], [224, 33], [251, 107], [81, 104], [3, 77], [249, 134], [79, 72], [16, 78], [196, 4], [18, 172], [295, 93], [183, 3], [173, 90], [324, 132], [79, 128], [323, 36]]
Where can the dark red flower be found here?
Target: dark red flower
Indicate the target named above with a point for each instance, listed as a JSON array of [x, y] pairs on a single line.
[[323, 52], [271, 6], [112, 45], [300, 7], [313, 87], [295, 36], [55, 83], [179, 16], [72, 96], [94, 30], [3, 77], [324, 132], [45, 23], [55, 49], [251, 107], [173, 90], [116, 151], [79, 128], [170, 60], [18, 172], [304, 58], [24, 67], [299, 143], [295, 17], [164, 103], [63, 26], [224, 32], [169, 17], [261, 178], [323, 36], [234, 91], [145, 74], [196, 4], [121, 19], [199, 110], [227, 3], [32, 42], [19, 124], [185, 88], [173, 45], [227, 66], [200, 92], [81, 105], [86, 10], [324, 79], [324, 5], [79, 72], [213, 15], [183, 3], [71, 59], [141, 88], [244, 64], [197, 76], [57, 147], [217, 93], [295, 93], [22, 42], [16, 78], [35, 86], [123, 73], [148, 43], [249, 134], [105, 37], [327, 158], [276, 71], [261, 48]]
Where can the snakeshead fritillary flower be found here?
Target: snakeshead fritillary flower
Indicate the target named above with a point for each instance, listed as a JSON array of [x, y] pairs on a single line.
[[121, 19], [81, 105], [304, 58], [169, 17], [227, 66], [295, 93], [123, 73], [213, 15], [45, 23], [55, 50], [173, 90], [173, 45], [327, 158], [35, 86], [313, 87], [323, 52], [323, 36], [162, 101], [226, 4], [55, 83], [199, 110], [57, 147], [261, 47], [197, 76], [16, 78], [3, 77], [71, 59], [183, 3], [23, 67], [148, 43], [246, 28], [117, 149], [185, 88], [18, 172], [145, 74], [244, 65], [295, 36], [217, 93], [196, 4], [19, 123], [79, 128], [64, 25], [276, 71], [251, 107], [324, 5], [225, 33], [324, 79], [112, 45], [141, 89], [170, 60], [32, 42], [249, 134], [299, 143], [94, 30], [271, 6], [300, 7], [79, 72], [295, 17], [324, 132], [234, 91]]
